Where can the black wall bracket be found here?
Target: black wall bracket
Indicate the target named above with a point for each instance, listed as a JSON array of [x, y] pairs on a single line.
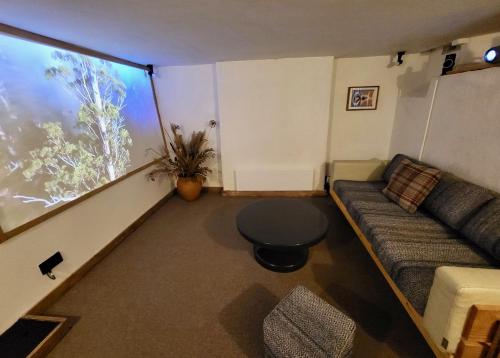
[[47, 266]]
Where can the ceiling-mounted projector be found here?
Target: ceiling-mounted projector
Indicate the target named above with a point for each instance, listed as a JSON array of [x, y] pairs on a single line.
[[492, 55]]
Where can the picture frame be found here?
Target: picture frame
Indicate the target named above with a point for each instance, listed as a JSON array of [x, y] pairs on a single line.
[[362, 98]]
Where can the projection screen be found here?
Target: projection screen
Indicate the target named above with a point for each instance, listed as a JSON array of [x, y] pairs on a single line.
[[69, 124]]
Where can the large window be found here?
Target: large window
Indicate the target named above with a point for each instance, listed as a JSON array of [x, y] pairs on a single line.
[[69, 124]]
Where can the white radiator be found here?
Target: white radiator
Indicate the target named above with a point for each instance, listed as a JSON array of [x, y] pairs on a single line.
[[274, 180]]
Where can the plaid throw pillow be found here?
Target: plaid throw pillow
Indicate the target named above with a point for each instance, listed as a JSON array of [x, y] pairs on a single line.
[[410, 184]]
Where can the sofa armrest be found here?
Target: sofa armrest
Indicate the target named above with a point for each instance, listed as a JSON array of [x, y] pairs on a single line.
[[453, 292], [360, 170]]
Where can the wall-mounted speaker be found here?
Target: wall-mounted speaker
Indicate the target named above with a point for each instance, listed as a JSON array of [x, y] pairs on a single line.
[[449, 63]]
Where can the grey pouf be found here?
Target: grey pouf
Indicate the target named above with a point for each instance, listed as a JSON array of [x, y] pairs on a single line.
[[303, 325]]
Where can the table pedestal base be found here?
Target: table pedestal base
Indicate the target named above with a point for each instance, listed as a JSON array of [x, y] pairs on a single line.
[[280, 260]]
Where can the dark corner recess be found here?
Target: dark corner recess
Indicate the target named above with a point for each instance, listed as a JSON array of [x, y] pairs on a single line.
[[326, 184], [34, 336], [47, 266]]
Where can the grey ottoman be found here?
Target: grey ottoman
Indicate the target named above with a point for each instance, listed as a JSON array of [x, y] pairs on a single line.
[[303, 325]]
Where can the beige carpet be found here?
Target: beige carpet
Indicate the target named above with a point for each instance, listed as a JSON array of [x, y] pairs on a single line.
[[185, 284]]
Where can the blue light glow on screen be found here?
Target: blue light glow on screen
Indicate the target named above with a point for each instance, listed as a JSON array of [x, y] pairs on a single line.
[[69, 123]]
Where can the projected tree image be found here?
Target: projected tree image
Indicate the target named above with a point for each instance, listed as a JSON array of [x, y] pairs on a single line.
[[69, 124], [102, 95], [101, 152]]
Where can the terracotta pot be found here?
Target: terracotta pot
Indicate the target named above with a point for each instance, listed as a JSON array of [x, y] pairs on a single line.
[[189, 188]]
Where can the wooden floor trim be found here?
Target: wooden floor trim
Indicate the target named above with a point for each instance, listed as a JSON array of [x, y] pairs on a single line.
[[31, 36], [414, 315], [76, 276], [211, 189], [265, 194], [80, 199], [54, 337]]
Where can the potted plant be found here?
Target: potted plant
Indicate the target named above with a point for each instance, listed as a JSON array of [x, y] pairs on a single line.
[[186, 162]]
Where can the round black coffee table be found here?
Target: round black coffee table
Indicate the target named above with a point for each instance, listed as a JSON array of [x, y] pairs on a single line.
[[281, 231]]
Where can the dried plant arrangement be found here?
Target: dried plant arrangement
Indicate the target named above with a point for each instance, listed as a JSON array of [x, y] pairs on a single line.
[[185, 160]]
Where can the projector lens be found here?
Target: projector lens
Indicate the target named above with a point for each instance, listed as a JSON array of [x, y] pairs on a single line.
[[491, 56]]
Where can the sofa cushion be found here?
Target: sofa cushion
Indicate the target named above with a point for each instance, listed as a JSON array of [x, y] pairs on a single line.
[[484, 228], [394, 163], [351, 192], [454, 201], [416, 283], [412, 246], [366, 212], [411, 264], [410, 184], [343, 186], [391, 225]]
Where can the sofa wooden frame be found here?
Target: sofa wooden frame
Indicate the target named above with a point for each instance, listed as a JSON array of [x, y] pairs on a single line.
[[481, 334]]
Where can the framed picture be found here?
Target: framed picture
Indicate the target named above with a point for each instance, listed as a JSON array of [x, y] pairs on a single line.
[[362, 98]]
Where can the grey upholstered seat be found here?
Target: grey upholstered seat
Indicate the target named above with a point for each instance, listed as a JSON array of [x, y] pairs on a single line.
[[303, 325], [353, 191], [411, 264], [454, 201], [484, 228], [409, 246], [371, 189]]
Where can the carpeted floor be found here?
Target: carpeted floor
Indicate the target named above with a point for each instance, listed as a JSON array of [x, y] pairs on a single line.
[[185, 284]]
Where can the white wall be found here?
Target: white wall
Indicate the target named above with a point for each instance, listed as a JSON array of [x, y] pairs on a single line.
[[415, 93], [416, 89], [406, 92], [366, 134], [264, 105], [274, 116], [187, 96], [464, 128], [79, 233]]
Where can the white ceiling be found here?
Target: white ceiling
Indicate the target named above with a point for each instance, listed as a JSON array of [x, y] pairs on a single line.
[[174, 32]]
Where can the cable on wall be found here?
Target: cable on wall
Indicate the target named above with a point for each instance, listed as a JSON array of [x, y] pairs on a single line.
[[427, 125]]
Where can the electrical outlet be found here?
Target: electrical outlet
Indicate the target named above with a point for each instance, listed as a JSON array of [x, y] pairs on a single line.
[[47, 266]]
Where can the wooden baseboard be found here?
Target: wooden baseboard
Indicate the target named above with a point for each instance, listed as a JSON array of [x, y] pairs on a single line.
[[76, 276], [265, 194], [211, 189], [414, 315], [70, 204]]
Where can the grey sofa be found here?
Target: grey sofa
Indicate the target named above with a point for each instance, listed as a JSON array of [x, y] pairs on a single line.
[[451, 228]]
